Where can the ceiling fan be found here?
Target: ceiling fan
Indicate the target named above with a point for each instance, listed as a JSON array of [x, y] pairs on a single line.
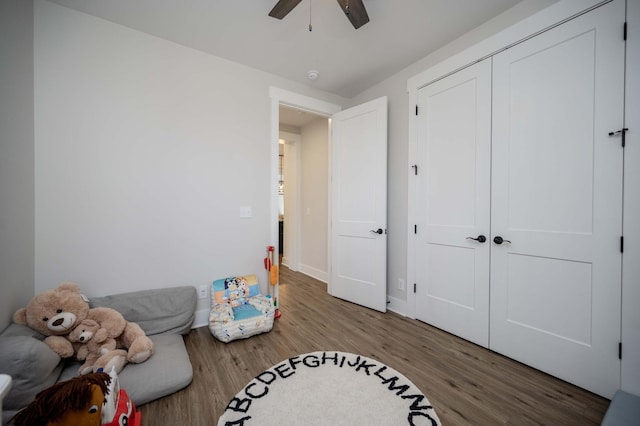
[[354, 9]]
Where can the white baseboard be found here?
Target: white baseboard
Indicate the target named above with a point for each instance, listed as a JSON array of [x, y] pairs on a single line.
[[201, 319], [396, 305], [314, 273]]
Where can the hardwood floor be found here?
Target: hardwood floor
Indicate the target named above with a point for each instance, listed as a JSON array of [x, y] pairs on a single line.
[[465, 383]]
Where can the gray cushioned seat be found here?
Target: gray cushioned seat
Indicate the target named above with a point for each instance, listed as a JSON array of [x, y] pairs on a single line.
[[624, 410], [167, 371], [164, 314], [31, 365], [159, 311]]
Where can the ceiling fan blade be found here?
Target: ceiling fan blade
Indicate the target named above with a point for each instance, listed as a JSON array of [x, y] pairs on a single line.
[[355, 11], [282, 8]]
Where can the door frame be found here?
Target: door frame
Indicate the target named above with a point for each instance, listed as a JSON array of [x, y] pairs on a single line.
[[292, 256], [295, 100], [544, 20]]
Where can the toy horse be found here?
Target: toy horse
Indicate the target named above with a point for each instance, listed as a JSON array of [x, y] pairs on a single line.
[[74, 402]]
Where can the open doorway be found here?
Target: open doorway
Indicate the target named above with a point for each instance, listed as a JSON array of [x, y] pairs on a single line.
[[303, 177], [280, 97], [357, 148]]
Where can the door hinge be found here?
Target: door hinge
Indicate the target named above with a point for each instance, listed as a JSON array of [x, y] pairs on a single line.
[[415, 169], [624, 32], [622, 132], [621, 244], [415, 229], [416, 109], [414, 287], [619, 350]]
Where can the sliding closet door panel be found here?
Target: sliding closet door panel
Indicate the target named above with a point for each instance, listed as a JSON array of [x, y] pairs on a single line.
[[453, 203], [557, 199]]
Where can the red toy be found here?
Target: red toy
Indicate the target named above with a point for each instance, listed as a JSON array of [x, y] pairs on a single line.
[[273, 278], [118, 409], [126, 413]]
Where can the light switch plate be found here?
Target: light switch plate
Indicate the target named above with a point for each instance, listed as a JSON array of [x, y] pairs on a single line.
[[245, 212]]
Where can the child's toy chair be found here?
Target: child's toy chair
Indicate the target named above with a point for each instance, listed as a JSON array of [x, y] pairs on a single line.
[[238, 310]]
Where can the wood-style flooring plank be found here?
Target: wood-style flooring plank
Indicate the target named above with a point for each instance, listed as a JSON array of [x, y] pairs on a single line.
[[467, 384]]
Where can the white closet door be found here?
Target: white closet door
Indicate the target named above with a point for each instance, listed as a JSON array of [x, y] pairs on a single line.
[[557, 197], [453, 194]]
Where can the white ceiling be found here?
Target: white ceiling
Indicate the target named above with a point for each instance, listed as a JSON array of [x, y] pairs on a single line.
[[399, 33]]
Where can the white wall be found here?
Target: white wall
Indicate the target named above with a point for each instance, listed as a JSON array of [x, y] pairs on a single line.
[[314, 227], [16, 157], [143, 158]]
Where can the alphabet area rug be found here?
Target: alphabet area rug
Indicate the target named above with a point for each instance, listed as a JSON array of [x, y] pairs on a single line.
[[329, 388]]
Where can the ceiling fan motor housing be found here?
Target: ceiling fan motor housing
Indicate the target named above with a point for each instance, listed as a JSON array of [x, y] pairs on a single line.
[[354, 9]]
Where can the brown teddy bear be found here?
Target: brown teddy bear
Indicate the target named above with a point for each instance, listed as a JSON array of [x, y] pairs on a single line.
[[55, 313], [92, 341]]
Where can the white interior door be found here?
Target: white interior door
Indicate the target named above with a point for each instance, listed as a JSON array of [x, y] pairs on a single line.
[[453, 195], [557, 199], [358, 237]]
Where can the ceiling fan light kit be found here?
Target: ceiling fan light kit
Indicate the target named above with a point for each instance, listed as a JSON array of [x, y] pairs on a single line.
[[354, 9]]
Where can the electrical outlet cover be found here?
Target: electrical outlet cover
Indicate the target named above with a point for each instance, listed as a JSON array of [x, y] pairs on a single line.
[[202, 292]]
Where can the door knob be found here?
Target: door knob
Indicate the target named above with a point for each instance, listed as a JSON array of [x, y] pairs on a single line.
[[378, 231], [500, 240], [479, 238]]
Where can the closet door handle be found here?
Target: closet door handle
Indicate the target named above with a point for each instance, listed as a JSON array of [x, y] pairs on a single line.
[[500, 240], [479, 238], [378, 231]]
